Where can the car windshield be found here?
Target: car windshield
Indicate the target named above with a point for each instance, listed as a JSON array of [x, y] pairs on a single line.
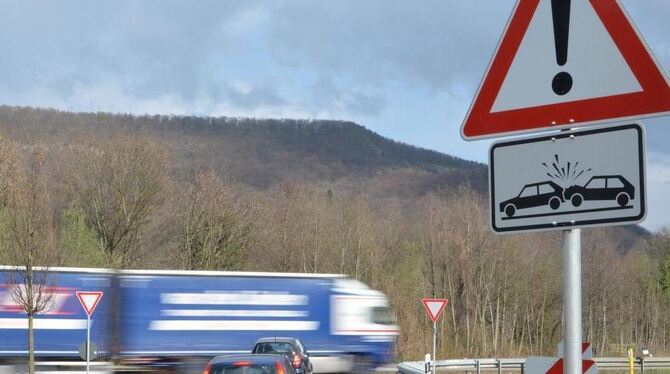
[[274, 347], [244, 369]]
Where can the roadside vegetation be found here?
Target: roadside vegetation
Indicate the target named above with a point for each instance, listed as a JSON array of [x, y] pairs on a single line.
[[148, 198]]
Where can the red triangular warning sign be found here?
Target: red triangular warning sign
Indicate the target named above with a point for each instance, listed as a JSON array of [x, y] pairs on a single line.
[[89, 300], [559, 64], [434, 307]]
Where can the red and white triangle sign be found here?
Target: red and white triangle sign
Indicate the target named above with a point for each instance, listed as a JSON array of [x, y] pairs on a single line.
[[588, 365], [89, 300], [553, 365], [434, 307], [564, 62]]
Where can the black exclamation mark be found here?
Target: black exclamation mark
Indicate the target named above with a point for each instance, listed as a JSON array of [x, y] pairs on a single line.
[[560, 11]]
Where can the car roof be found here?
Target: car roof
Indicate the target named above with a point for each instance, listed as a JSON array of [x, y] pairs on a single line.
[[606, 176], [255, 358], [276, 340], [539, 183]]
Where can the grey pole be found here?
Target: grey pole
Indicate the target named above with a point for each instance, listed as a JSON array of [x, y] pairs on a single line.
[[434, 346], [572, 301], [88, 340]]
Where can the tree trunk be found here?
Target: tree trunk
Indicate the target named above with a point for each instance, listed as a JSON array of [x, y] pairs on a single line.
[[31, 345]]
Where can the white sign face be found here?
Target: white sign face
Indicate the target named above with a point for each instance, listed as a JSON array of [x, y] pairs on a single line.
[[528, 81], [572, 179]]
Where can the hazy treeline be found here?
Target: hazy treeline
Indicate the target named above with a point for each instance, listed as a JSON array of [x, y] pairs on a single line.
[[121, 200]]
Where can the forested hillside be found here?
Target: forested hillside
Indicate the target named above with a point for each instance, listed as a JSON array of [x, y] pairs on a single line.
[[317, 196], [260, 152]]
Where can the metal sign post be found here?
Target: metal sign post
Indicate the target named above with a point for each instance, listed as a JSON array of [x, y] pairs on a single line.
[[434, 346], [88, 342], [572, 300]]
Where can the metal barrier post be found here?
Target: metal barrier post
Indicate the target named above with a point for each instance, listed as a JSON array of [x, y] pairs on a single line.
[[642, 364], [478, 367], [499, 366]]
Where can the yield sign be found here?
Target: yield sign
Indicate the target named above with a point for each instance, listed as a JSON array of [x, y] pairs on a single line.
[[89, 300], [565, 62], [434, 307]]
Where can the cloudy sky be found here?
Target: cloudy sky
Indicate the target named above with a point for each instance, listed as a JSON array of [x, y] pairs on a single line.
[[405, 69]]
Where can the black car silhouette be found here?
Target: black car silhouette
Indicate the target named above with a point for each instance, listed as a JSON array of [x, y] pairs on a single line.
[[533, 195], [602, 187]]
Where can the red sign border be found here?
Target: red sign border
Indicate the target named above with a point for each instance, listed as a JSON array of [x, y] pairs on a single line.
[[653, 100], [97, 293], [425, 302], [587, 363]]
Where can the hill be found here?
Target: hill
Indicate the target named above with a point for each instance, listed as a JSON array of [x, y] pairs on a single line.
[[264, 152]]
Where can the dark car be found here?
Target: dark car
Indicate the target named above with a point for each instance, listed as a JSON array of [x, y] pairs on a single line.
[[602, 187], [250, 364], [289, 347], [534, 195]]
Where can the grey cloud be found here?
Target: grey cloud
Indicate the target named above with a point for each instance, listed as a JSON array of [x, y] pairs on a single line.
[[353, 99], [658, 135], [255, 96], [151, 48], [431, 42]]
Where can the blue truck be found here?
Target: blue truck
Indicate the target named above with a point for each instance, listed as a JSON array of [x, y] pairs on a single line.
[[172, 317]]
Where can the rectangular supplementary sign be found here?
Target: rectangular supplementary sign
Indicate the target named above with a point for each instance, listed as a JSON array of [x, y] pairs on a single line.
[[592, 177]]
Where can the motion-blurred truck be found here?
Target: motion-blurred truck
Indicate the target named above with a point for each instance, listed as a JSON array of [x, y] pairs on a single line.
[[176, 317]]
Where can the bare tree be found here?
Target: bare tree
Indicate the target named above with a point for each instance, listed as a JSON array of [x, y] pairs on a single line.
[[214, 226], [119, 184], [30, 242]]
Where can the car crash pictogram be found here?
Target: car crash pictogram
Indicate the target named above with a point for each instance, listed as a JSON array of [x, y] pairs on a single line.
[[550, 195]]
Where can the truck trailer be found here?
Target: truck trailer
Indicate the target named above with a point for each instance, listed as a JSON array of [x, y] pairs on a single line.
[[174, 318]]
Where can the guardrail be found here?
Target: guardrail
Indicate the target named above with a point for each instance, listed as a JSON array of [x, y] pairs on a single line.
[[518, 364]]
